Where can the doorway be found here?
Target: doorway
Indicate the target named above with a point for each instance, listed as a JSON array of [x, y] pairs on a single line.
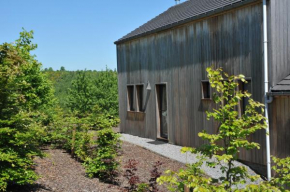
[[162, 125]]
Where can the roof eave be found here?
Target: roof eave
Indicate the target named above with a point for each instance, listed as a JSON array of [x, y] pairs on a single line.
[[279, 93], [220, 10]]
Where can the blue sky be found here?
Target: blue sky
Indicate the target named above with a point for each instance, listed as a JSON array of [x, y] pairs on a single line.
[[76, 34]]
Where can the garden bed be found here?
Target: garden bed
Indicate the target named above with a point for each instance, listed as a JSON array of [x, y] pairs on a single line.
[[60, 172]]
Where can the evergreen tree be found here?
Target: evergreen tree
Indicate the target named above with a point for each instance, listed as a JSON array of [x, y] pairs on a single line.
[[81, 94], [106, 84], [24, 91], [62, 68]]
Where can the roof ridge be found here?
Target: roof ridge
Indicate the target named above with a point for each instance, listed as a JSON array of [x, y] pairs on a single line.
[[180, 13]]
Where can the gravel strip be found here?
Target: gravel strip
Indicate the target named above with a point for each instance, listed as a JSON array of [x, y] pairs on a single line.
[[173, 152]]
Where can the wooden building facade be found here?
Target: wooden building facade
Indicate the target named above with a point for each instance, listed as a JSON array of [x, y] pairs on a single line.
[[163, 87]]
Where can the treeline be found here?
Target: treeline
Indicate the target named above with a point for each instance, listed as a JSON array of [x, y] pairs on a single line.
[[103, 87]]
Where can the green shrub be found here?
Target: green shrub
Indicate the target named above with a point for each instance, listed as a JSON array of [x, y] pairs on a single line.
[[192, 177], [106, 92], [24, 92], [103, 163], [18, 145], [98, 120], [143, 187], [83, 144], [81, 95], [282, 170], [72, 134]]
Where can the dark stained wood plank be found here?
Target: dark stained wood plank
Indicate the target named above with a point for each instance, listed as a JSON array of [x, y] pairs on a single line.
[[179, 57]]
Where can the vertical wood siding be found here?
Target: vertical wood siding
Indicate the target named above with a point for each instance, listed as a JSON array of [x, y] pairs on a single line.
[[280, 127], [180, 57], [279, 43]]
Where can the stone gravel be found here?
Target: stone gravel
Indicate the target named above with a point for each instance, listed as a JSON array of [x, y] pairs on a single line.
[[173, 152]]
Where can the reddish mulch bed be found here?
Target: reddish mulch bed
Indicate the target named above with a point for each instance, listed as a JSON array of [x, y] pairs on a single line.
[[60, 172]]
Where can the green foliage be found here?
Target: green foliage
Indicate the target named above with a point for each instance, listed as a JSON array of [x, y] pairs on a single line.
[[62, 80], [282, 170], [224, 146], [62, 68], [81, 94], [24, 95], [98, 120], [143, 187], [29, 115], [192, 177], [233, 128], [103, 164], [83, 142], [71, 133], [72, 130], [104, 88], [263, 187], [106, 83], [57, 126]]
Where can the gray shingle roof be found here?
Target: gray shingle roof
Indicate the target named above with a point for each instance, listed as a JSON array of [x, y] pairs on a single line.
[[282, 86], [181, 13]]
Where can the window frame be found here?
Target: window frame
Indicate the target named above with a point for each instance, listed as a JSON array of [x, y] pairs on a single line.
[[206, 88], [130, 97], [138, 107]]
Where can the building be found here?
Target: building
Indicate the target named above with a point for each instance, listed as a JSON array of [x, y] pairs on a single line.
[[163, 87]]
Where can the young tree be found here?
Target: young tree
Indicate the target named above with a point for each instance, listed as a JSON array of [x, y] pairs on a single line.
[[233, 129], [106, 84], [232, 134], [81, 94], [23, 92]]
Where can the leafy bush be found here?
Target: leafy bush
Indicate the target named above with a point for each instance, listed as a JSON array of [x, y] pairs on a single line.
[[83, 144], [143, 187], [282, 170], [24, 93], [192, 177], [103, 164], [72, 134]]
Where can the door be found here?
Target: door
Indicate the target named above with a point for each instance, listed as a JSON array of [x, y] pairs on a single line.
[[162, 111]]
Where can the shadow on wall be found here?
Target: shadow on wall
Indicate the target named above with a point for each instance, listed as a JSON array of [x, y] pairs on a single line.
[[147, 99]]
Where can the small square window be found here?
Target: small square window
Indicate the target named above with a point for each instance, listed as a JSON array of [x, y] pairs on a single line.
[[139, 90], [205, 86], [130, 97]]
